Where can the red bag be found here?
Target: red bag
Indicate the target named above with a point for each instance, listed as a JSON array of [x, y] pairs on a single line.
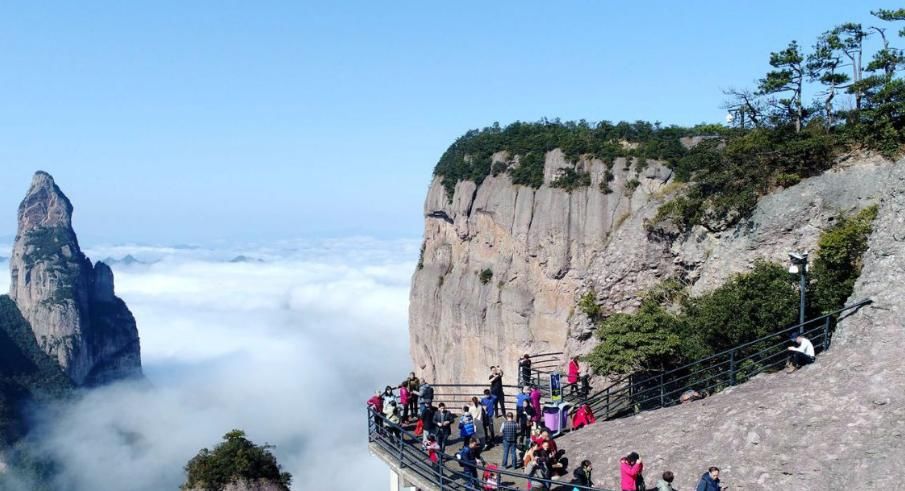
[[419, 428]]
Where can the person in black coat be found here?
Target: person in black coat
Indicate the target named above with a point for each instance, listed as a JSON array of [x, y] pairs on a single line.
[[582, 475]]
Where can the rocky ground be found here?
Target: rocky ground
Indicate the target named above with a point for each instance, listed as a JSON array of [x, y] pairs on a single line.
[[838, 424]]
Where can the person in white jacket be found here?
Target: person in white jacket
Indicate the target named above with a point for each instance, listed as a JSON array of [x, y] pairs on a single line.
[[803, 354]]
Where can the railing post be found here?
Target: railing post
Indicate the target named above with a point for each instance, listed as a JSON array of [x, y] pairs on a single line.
[[662, 392], [401, 451], [732, 367], [606, 415], [826, 333], [439, 465]]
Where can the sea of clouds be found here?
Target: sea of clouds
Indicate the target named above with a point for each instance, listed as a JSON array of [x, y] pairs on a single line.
[[286, 344]]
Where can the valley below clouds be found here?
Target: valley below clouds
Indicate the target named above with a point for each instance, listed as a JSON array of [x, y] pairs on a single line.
[[284, 341]]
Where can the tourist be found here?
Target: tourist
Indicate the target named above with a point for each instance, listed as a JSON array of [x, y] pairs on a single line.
[[803, 354], [524, 428], [388, 396], [466, 424], [509, 430], [476, 409], [574, 370], [432, 448], [413, 385], [522, 400], [391, 413], [539, 464], [631, 467], [544, 437], [583, 417], [442, 422], [496, 389], [710, 481], [469, 458], [489, 403], [582, 475], [535, 403], [665, 484], [559, 464], [427, 421], [585, 389], [404, 402], [524, 366], [425, 395], [376, 402]]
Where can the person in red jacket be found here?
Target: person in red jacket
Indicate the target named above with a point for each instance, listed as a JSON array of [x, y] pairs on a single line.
[[583, 417], [574, 370], [631, 467]]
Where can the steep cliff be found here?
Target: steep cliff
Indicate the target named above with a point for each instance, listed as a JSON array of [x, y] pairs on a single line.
[[27, 374], [69, 303], [837, 424], [503, 265]]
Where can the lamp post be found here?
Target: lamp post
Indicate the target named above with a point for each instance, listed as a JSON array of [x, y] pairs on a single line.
[[800, 266]]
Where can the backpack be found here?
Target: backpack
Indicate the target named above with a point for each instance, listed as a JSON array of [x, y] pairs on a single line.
[[419, 428], [428, 393], [459, 455], [467, 425]]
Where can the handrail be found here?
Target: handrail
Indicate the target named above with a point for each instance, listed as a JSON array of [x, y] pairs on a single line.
[[620, 398], [406, 444], [626, 396]]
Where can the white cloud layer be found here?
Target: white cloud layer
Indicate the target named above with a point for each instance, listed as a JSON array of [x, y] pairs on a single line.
[[286, 349]]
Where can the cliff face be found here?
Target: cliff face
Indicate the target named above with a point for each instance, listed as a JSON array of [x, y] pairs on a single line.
[[70, 303], [836, 424], [546, 247]]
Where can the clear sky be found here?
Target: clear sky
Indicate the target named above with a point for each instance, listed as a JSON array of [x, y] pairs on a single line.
[[180, 122]]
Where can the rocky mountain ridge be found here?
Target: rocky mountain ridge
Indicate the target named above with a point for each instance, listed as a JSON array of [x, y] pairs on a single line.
[[503, 266], [70, 303]]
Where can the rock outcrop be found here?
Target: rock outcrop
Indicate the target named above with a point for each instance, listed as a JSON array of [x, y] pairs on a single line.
[[69, 302], [837, 424], [503, 266]]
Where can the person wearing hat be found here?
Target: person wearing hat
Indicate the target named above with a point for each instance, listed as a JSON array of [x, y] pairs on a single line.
[[803, 354]]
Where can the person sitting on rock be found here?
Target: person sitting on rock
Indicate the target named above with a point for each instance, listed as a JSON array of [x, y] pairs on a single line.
[[803, 354], [710, 481], [582, 475], [583, 417], [665, 484]]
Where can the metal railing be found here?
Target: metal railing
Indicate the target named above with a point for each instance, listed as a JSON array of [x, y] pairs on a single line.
[[541, 364], [631, 394], [406, 451]]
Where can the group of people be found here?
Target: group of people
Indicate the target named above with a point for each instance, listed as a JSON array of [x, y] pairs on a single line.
[[631, 476], [526, 443]]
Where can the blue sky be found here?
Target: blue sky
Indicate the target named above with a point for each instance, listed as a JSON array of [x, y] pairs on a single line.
[[182, 122]]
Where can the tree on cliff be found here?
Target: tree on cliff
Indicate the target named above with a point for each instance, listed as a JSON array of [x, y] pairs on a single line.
[[236, 460], [787, 78]]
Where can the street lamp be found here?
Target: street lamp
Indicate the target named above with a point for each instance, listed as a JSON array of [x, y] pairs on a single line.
[[800, 266]]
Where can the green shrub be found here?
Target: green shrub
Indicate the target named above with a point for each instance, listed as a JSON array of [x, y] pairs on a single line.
[[838, 260], [647, 340], [530, 170], [235, 459], [787, 179], [485, 276], [469, 157], [571, 179], [748, 306], [588, 305], [631, 186]]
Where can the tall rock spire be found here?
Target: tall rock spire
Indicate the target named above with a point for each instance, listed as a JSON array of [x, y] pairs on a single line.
[[69, 302]]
